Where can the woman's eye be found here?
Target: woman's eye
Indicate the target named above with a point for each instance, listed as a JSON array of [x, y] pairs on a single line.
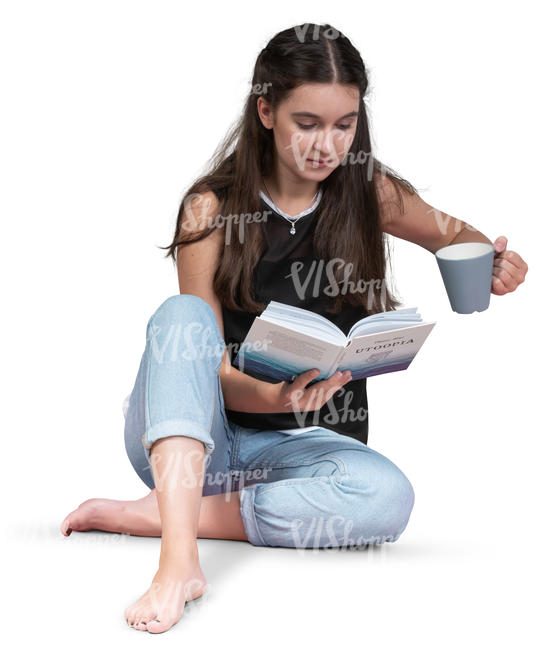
[[307, 127]]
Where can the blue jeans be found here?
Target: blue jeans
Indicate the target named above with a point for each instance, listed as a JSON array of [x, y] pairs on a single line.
[[315, 489]]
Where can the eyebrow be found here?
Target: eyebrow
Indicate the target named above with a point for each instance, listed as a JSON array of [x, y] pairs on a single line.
[[307, 114]]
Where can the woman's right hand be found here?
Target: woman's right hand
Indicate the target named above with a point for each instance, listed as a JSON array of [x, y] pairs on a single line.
[[295, 396]]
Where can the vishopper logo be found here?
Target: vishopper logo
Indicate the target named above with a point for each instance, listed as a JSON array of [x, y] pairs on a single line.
[[260, 89], [33, 531], [320, 268], [187, 341], [191, 223], [302, 144], [442, 220], [331, 533], [360, 158], [194, 591], [178, 463], [335, 141], [239, 478], [335, 416], [303, 34]]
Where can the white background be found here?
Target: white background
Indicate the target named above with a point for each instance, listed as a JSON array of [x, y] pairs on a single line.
[[109, 111]]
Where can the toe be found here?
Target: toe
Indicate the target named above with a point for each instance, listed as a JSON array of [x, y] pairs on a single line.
[[130, 615], [65, 527], [76, 520], [158, 625], [140, 615]]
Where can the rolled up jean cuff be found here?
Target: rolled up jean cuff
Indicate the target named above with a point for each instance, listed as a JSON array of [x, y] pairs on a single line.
[[182, 427]]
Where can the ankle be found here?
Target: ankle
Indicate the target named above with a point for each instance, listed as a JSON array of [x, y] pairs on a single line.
[[179, 557]]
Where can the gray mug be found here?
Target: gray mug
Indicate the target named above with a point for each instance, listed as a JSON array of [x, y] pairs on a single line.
[[466, 271]]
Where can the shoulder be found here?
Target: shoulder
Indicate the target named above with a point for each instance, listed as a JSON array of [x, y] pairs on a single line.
[[385, 189], [394, 197], [199, 209], [205, 200], [200, 238]]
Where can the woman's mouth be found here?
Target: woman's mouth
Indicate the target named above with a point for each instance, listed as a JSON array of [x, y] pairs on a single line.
[[318, 163]]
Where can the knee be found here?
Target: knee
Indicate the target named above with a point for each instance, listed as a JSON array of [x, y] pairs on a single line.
[[188, 322], [395, 500], [187, 308], [380, 498], [182, 304]]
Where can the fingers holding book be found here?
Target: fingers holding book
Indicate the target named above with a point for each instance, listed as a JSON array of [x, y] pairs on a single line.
[[296, 396]]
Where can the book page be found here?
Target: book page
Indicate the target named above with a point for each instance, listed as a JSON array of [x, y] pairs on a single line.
[[281, 353], [303, 320], [385, 320]]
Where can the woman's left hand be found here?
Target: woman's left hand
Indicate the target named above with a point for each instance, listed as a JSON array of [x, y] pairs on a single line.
[[509, 269]]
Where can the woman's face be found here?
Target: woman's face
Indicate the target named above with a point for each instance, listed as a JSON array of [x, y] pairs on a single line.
[[316, 123]]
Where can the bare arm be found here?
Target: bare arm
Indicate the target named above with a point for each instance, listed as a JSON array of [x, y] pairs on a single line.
[[419, 222], [196, 266]]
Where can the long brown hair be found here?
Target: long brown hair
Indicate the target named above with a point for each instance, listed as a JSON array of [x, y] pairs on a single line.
[[349, 223]]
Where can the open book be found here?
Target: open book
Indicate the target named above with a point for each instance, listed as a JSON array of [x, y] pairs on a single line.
[[285, 341]]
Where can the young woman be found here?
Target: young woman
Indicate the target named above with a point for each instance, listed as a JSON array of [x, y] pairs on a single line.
[[294, 208]]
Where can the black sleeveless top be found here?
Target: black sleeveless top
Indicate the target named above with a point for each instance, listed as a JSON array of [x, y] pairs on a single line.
[[346, 412]]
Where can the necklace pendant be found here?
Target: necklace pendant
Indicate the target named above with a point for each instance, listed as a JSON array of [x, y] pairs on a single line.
[[292, 230]]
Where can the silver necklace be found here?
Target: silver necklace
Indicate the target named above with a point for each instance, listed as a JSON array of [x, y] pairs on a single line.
[[291, 221]]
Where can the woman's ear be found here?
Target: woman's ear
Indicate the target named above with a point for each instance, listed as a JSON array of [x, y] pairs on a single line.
[[265, 112]]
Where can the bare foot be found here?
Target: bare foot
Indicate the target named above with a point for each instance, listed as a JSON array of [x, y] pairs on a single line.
[[220, 517], [138, 517], [162, 605]]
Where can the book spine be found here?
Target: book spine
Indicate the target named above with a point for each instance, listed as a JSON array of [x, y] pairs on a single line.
[[339, 358]]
